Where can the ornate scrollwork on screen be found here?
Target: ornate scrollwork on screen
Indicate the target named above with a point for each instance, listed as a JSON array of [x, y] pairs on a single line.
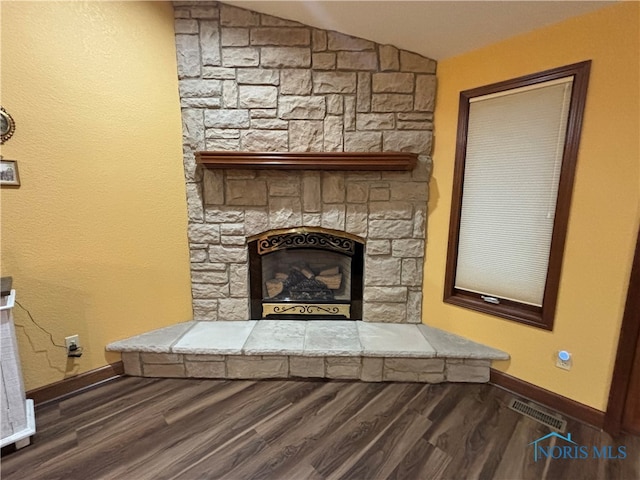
[[303, 239], [305, 309]]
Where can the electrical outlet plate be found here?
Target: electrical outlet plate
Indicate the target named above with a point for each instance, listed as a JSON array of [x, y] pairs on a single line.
[[71, 340]]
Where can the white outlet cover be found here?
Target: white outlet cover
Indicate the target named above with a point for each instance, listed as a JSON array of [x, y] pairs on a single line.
[[70, 340]]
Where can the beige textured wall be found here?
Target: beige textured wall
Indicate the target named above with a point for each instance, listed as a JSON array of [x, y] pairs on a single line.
[[95, 238]]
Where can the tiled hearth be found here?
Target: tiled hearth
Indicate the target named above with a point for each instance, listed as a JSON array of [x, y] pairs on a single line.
[[366, 351]]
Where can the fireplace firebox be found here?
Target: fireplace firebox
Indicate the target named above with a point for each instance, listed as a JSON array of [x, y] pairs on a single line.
[[306, 273]]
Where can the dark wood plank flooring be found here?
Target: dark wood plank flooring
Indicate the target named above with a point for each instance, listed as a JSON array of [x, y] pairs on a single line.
[[143, 428]]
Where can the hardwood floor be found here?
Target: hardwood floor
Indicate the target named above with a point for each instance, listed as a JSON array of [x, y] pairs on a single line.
[[143, 428]]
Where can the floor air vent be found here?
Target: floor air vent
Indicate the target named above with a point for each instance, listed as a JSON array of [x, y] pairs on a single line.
[[536, 413]]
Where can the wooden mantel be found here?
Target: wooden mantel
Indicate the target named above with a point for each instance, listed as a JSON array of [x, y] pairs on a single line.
[[309, 160]]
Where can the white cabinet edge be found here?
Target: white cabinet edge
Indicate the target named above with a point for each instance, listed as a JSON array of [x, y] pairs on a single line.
[[26, 432]]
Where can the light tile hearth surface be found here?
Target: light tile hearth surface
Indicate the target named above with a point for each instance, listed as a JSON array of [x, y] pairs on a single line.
[[214, 338], [155, 341], [284, 337], [339, 349], [315, 338], [391, 340], [331, 338]]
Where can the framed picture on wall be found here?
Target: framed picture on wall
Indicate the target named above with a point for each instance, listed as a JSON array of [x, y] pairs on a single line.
[[9, 173]]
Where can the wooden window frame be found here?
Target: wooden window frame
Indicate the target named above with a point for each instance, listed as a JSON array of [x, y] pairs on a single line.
[[541, 317]]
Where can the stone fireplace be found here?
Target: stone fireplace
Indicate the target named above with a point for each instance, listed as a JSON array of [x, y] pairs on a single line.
[[250, 82]]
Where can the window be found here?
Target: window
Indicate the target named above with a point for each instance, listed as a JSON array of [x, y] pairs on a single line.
[[515, 160]]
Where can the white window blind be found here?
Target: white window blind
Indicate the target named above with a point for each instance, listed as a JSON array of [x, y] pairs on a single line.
[[515, 144]]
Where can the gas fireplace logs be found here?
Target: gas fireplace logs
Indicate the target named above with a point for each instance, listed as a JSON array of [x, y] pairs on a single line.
[[301, 283]]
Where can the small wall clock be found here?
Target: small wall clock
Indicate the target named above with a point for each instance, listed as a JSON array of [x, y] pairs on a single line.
[[7, 125]]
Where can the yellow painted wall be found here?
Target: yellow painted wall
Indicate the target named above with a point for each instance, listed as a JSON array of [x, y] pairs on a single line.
[[605, 209], [95, 238]]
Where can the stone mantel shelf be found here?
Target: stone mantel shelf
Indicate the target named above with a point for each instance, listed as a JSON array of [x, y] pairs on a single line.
[[309, 160]]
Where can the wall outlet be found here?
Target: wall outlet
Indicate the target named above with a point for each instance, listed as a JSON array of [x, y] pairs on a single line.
[[564, 360], [72, 340]]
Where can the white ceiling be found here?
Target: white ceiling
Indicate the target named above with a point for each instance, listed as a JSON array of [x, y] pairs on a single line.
[[435, 29]]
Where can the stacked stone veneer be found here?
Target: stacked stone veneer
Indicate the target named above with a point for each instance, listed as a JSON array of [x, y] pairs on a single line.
[[366, 369], [252, 82]]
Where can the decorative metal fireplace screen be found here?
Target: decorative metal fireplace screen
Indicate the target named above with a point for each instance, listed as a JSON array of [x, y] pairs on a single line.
[[306, 272]]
